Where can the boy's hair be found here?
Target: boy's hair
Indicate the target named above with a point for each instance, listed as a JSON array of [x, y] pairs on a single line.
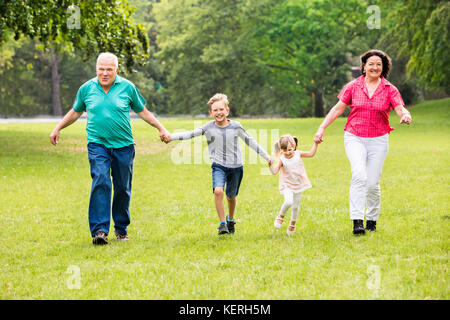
[[283, 143], [218, 97]]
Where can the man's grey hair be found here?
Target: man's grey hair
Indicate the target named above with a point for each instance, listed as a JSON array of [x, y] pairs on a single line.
[[108, 56]]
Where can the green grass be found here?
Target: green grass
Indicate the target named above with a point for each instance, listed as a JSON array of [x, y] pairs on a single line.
[[175, 252]]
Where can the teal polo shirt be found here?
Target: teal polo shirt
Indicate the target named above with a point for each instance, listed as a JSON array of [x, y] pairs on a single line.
[[108, 116]]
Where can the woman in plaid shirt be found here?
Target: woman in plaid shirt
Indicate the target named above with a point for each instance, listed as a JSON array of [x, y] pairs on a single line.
[[371, 98]]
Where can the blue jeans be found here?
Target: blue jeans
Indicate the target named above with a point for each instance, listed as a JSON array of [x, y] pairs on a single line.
[[231, 176], [107, 162]]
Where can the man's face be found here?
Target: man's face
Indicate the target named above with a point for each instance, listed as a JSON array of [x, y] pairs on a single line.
[[106, 72]]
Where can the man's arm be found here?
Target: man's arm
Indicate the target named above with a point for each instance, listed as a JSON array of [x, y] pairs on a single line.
[[68, 119], [148, 117]]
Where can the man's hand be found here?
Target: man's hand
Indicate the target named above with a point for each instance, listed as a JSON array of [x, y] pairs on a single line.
[[165, 136], [68, 119], [54, 137], [269, 161]]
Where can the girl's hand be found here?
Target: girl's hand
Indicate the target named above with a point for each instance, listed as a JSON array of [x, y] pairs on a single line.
[[318, 137]]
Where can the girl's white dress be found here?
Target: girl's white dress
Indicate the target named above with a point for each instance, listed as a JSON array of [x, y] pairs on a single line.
[[293, 175]]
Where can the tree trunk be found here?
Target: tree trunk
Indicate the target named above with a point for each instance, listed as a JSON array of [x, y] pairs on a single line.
[[319, 109], [56, 99]]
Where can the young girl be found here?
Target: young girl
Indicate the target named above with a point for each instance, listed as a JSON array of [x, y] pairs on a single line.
[[293, 178]]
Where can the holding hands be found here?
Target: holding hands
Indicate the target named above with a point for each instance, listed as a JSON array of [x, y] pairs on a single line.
[[164, 135], [318, 137]]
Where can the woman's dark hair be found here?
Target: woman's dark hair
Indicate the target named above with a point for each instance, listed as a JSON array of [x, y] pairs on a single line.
[[386, 60]]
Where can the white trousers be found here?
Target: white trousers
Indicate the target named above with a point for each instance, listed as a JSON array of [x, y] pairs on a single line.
[[366, 156], [291, 199]]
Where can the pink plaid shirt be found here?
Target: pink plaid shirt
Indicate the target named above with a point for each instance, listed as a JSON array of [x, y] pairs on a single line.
[[369, 117]]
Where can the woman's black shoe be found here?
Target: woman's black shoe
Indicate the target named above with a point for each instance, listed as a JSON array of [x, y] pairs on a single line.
[[371, 225], [358, 227]]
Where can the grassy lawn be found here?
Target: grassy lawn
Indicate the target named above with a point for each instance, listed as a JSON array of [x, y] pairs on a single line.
[[174, 251]]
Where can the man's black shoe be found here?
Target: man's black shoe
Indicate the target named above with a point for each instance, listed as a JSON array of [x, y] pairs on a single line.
[[358, 227]]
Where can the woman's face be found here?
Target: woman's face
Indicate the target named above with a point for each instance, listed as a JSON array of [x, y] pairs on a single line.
[[374, 67]]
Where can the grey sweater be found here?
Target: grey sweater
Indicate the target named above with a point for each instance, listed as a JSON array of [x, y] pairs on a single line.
[[223, 144]]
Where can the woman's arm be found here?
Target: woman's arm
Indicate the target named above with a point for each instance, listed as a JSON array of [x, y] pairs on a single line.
[[334, 113], [405, 116], [311, 152]]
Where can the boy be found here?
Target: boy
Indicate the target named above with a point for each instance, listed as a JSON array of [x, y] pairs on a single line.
[[225, 154]]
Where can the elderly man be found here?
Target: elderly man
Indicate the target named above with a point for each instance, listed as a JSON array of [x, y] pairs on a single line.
[[107, 99]]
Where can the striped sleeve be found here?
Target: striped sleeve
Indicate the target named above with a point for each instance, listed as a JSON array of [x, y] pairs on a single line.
[[188, 134], [248, 139]]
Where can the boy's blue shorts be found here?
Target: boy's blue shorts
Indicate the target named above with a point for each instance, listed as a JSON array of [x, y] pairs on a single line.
[[231, 176]]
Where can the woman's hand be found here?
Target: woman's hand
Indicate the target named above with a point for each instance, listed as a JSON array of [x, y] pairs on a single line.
[[406, 118], [318, 137]]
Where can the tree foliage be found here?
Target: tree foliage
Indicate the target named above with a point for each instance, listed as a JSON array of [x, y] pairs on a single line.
[[208, 48], [421, 34], [311, 42], [288, 57], [90, 26]]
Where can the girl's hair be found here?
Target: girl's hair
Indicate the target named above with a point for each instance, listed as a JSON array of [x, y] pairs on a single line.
[[386, 60], [218, 97], [284, 142]]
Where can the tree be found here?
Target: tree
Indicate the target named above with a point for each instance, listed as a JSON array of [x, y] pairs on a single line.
[[311, 42], [207, 47], [150, 78], [90, 27], [421, 34]]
